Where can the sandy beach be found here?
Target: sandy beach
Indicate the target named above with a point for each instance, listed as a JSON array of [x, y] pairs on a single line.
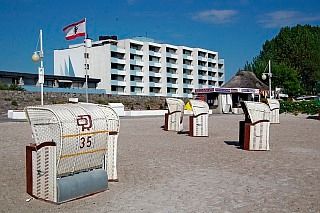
[[163, 171]]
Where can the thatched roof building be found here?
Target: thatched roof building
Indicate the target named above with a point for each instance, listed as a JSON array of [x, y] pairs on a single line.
[[245, 79]]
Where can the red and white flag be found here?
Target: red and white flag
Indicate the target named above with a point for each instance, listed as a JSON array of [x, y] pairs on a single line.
[[75, 30]]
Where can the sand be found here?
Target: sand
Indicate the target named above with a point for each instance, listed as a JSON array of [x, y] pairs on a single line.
[[168, 172]]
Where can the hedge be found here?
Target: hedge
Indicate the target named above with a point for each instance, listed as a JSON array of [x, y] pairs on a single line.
[[305, 107], [10, 87]]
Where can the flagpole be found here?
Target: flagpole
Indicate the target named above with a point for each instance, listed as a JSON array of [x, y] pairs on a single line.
[[85, 58], [85, 28]]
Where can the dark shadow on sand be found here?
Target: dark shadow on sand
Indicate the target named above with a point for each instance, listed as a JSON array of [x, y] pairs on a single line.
[[314, 117], [233, 143], [183, 132]]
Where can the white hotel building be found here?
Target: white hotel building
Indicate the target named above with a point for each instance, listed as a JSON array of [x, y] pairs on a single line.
[[142, 67]]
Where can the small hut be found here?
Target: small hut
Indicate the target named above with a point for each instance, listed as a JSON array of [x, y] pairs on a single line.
[[245, 79], [244, 86]]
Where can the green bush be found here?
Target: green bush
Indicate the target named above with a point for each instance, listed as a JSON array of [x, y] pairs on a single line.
[[15, 87], [305, 107], [3, 86], [10, 87]]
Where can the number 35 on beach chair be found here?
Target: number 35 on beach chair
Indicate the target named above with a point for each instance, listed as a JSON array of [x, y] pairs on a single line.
[[75, 150]]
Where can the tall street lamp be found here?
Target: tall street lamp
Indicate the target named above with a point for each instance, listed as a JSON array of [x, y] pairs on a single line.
[[36, 57], [269, 74]]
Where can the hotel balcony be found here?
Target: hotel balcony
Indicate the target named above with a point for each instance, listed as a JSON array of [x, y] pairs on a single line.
[[212, 60], [188, 67], [156, 54], [189, 57], [118, 72], [172, 65], [202, 68], [154, 84], [200, 58], [137, 84], [154, 64], [155, 74], [136, 72], [172, 55], [137, 93], [172, 85], [155, 94], [202, 86], [118, 93], [117, 49], [137, 52], [212, 69], [187, 76], [221, 69], [204, 77], [212, 78], [118, 83], [190, 86], [118, 61], [171, 75], [136, 62]]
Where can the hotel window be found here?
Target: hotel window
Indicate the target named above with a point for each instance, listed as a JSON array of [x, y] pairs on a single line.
[[154, 48], [202, 54], [212, 56], [202, 63], [187, 72], [187, 81], [187, 52], [171, 50], [171, 60], [135, 57], [187, 62]]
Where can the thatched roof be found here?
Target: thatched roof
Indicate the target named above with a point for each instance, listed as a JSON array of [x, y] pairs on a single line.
[[245, 79]]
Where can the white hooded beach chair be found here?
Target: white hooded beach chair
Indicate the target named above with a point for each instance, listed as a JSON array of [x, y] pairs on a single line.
[[174, 117], [274, 106], [254, 131], [198, 122], [75, 150]]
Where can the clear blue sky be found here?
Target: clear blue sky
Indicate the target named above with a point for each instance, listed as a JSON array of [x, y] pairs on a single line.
[[236, 29]]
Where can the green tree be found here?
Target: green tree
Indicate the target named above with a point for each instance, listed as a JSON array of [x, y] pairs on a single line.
[[296, 51], [286, 78]]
